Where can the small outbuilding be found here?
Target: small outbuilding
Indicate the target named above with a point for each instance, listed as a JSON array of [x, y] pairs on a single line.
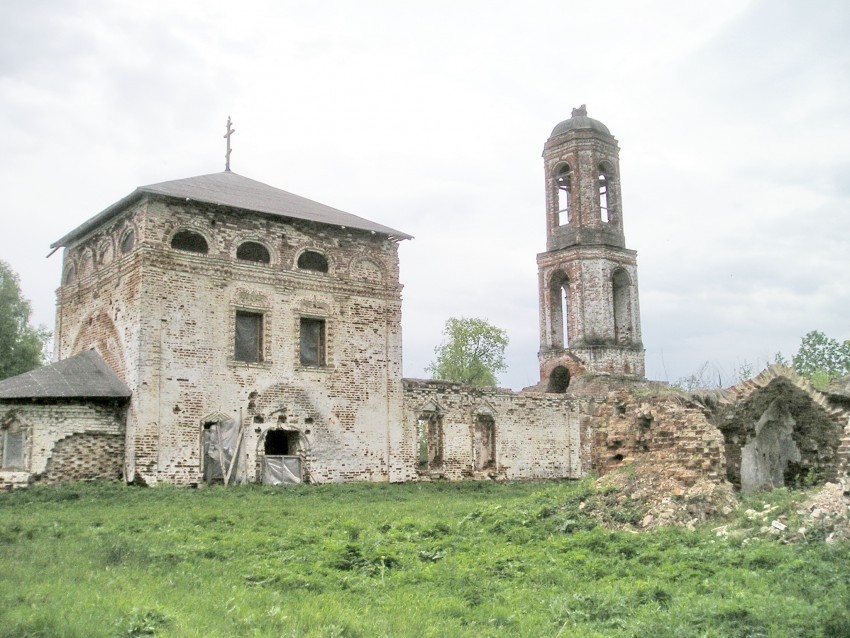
[[65, 421]]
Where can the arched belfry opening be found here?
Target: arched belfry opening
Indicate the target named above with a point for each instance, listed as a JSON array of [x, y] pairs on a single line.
[[621, 287], [559, 311], [589, 311], [605, 176], [564, 185]]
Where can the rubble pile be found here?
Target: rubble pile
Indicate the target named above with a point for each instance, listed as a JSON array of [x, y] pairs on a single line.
[[644, 496]]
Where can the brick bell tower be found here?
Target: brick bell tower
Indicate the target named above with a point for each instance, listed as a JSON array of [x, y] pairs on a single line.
[[589, 311]]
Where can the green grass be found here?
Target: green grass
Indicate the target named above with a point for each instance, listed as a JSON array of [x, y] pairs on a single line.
[[440, 559]]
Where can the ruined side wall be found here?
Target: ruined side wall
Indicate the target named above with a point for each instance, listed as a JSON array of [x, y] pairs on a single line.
[[667, 431], [345, 410], [66, 440], [537, 436]]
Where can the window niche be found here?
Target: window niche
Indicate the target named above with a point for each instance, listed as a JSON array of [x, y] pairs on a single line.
[[248, 339], [13, 447], [312, 342], [253, 251], [70, 275], [430, 441], [313, 261], [128, 242], [484, 443], [190, 241]]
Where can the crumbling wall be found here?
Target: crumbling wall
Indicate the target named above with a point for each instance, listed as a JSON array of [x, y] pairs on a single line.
[[779, 431], [664, 430], [86, 456], [533, 435], [66, 440]]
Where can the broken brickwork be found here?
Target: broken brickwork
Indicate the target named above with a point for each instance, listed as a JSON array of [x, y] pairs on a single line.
[[779, 431], [665, 430], [62, 440]]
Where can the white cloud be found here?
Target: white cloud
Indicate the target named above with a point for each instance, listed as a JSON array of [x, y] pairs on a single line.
[[733, 119]]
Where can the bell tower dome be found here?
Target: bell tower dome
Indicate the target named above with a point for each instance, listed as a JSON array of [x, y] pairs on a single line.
[[589, 311]]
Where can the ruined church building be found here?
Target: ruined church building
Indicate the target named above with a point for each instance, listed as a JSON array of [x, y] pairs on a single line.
[[216, 329]]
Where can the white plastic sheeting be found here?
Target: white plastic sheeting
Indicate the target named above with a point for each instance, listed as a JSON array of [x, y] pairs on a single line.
[[222, 443], [278, 470]]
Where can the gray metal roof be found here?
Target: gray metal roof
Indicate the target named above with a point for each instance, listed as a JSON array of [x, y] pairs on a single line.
[[235, 191], [85, 375]]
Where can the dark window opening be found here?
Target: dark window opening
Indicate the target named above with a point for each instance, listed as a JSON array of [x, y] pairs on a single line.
[[484, 443], [310, 260], [312, 342], [252, 251], [430, 435], [128, 242], [559, 380], [248, 345], [191, 241], [281, 443], [563, 179]]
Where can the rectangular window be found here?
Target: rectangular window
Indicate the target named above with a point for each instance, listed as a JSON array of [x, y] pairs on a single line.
[[248, 345], [13, 449], [312, 342]]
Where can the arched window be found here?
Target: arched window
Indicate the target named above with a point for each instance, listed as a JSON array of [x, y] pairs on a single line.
[[310, 260], [70, 275], [621, 287], [559, 311], [253, 251], [563, 180], [191, 241], [128, 242], [559, 380]]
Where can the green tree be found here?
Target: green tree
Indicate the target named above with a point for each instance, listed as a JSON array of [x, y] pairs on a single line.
[[473, 352], [821, 359], [21, 345]]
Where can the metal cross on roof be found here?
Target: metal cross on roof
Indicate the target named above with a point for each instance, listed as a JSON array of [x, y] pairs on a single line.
[[230, 132]]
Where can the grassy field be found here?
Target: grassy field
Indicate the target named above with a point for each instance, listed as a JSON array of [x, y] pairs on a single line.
[[471, 559]]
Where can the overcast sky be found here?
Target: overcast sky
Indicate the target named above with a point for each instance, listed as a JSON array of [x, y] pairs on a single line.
[[733, 120]]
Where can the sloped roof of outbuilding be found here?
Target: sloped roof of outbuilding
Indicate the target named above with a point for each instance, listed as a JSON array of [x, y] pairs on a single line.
[[84, 376], [235, 191]]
